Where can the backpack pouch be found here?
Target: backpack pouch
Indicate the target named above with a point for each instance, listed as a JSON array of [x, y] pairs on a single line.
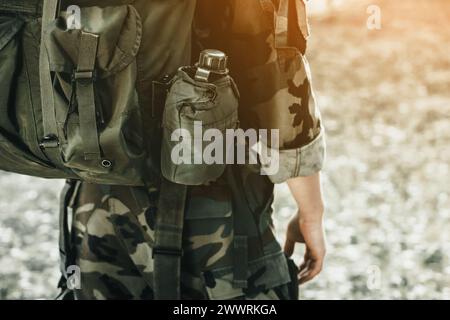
[[98, 117]]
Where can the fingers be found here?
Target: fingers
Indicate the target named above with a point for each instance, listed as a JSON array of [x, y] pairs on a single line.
[[303, 267], [312, 269], [289, 247], [305, 263]]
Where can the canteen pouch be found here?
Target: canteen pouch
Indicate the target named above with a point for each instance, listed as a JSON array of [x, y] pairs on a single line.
[[196, 117]]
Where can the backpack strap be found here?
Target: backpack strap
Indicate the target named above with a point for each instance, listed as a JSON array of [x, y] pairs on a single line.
[[241, 210], [66, 252], [167, 250], [50, 142], [85, 77]]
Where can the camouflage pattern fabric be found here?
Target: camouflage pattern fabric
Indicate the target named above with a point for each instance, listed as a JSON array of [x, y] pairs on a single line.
[[113, 226], [113, 234], [266, 44]]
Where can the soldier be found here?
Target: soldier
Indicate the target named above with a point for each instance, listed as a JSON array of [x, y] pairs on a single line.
[[229, 250], [114, 227]]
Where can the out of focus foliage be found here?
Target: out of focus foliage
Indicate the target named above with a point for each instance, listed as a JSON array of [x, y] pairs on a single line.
[[385, 99]]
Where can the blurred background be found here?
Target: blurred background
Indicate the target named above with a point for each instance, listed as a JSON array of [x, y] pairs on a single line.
[[385, 99]]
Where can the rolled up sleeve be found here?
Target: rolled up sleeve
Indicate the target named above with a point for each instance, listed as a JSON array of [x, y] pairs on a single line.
[[275, 80], [301, 162], [266, 42]]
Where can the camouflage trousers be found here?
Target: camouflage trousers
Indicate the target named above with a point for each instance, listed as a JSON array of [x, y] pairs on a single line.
[[113, 234]]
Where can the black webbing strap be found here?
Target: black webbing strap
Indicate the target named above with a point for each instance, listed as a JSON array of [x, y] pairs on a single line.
[[241, 210], [65, 244], [167, 251], [160, 89], [84, 78], [50, 142]]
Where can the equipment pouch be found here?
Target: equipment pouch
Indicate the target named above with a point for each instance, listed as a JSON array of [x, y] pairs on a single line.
[[196, 117], [98, 118]]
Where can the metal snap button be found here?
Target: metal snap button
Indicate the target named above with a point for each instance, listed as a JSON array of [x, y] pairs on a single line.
[[106, 163]]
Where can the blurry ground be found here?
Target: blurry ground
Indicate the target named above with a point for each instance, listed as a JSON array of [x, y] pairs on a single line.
[[28, 237], [385, 99]]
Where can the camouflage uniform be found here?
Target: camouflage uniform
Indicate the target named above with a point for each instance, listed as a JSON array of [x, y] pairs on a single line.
[[113, 226], [114, 233]]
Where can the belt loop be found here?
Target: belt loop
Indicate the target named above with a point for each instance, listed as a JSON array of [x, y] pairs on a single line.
[[50, 141]]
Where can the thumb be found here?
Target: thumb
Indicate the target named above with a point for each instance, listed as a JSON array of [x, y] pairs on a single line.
[[289, 247]]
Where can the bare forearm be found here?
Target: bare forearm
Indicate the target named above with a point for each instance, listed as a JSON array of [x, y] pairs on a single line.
[[307, 226], [307, 193]]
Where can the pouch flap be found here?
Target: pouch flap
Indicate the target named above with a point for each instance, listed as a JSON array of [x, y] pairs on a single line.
[[119, 30]]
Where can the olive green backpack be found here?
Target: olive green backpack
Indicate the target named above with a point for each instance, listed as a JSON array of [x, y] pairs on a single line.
[[84, 121]]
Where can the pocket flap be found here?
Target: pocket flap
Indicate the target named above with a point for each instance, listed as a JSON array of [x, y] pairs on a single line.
[[119, 30]]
